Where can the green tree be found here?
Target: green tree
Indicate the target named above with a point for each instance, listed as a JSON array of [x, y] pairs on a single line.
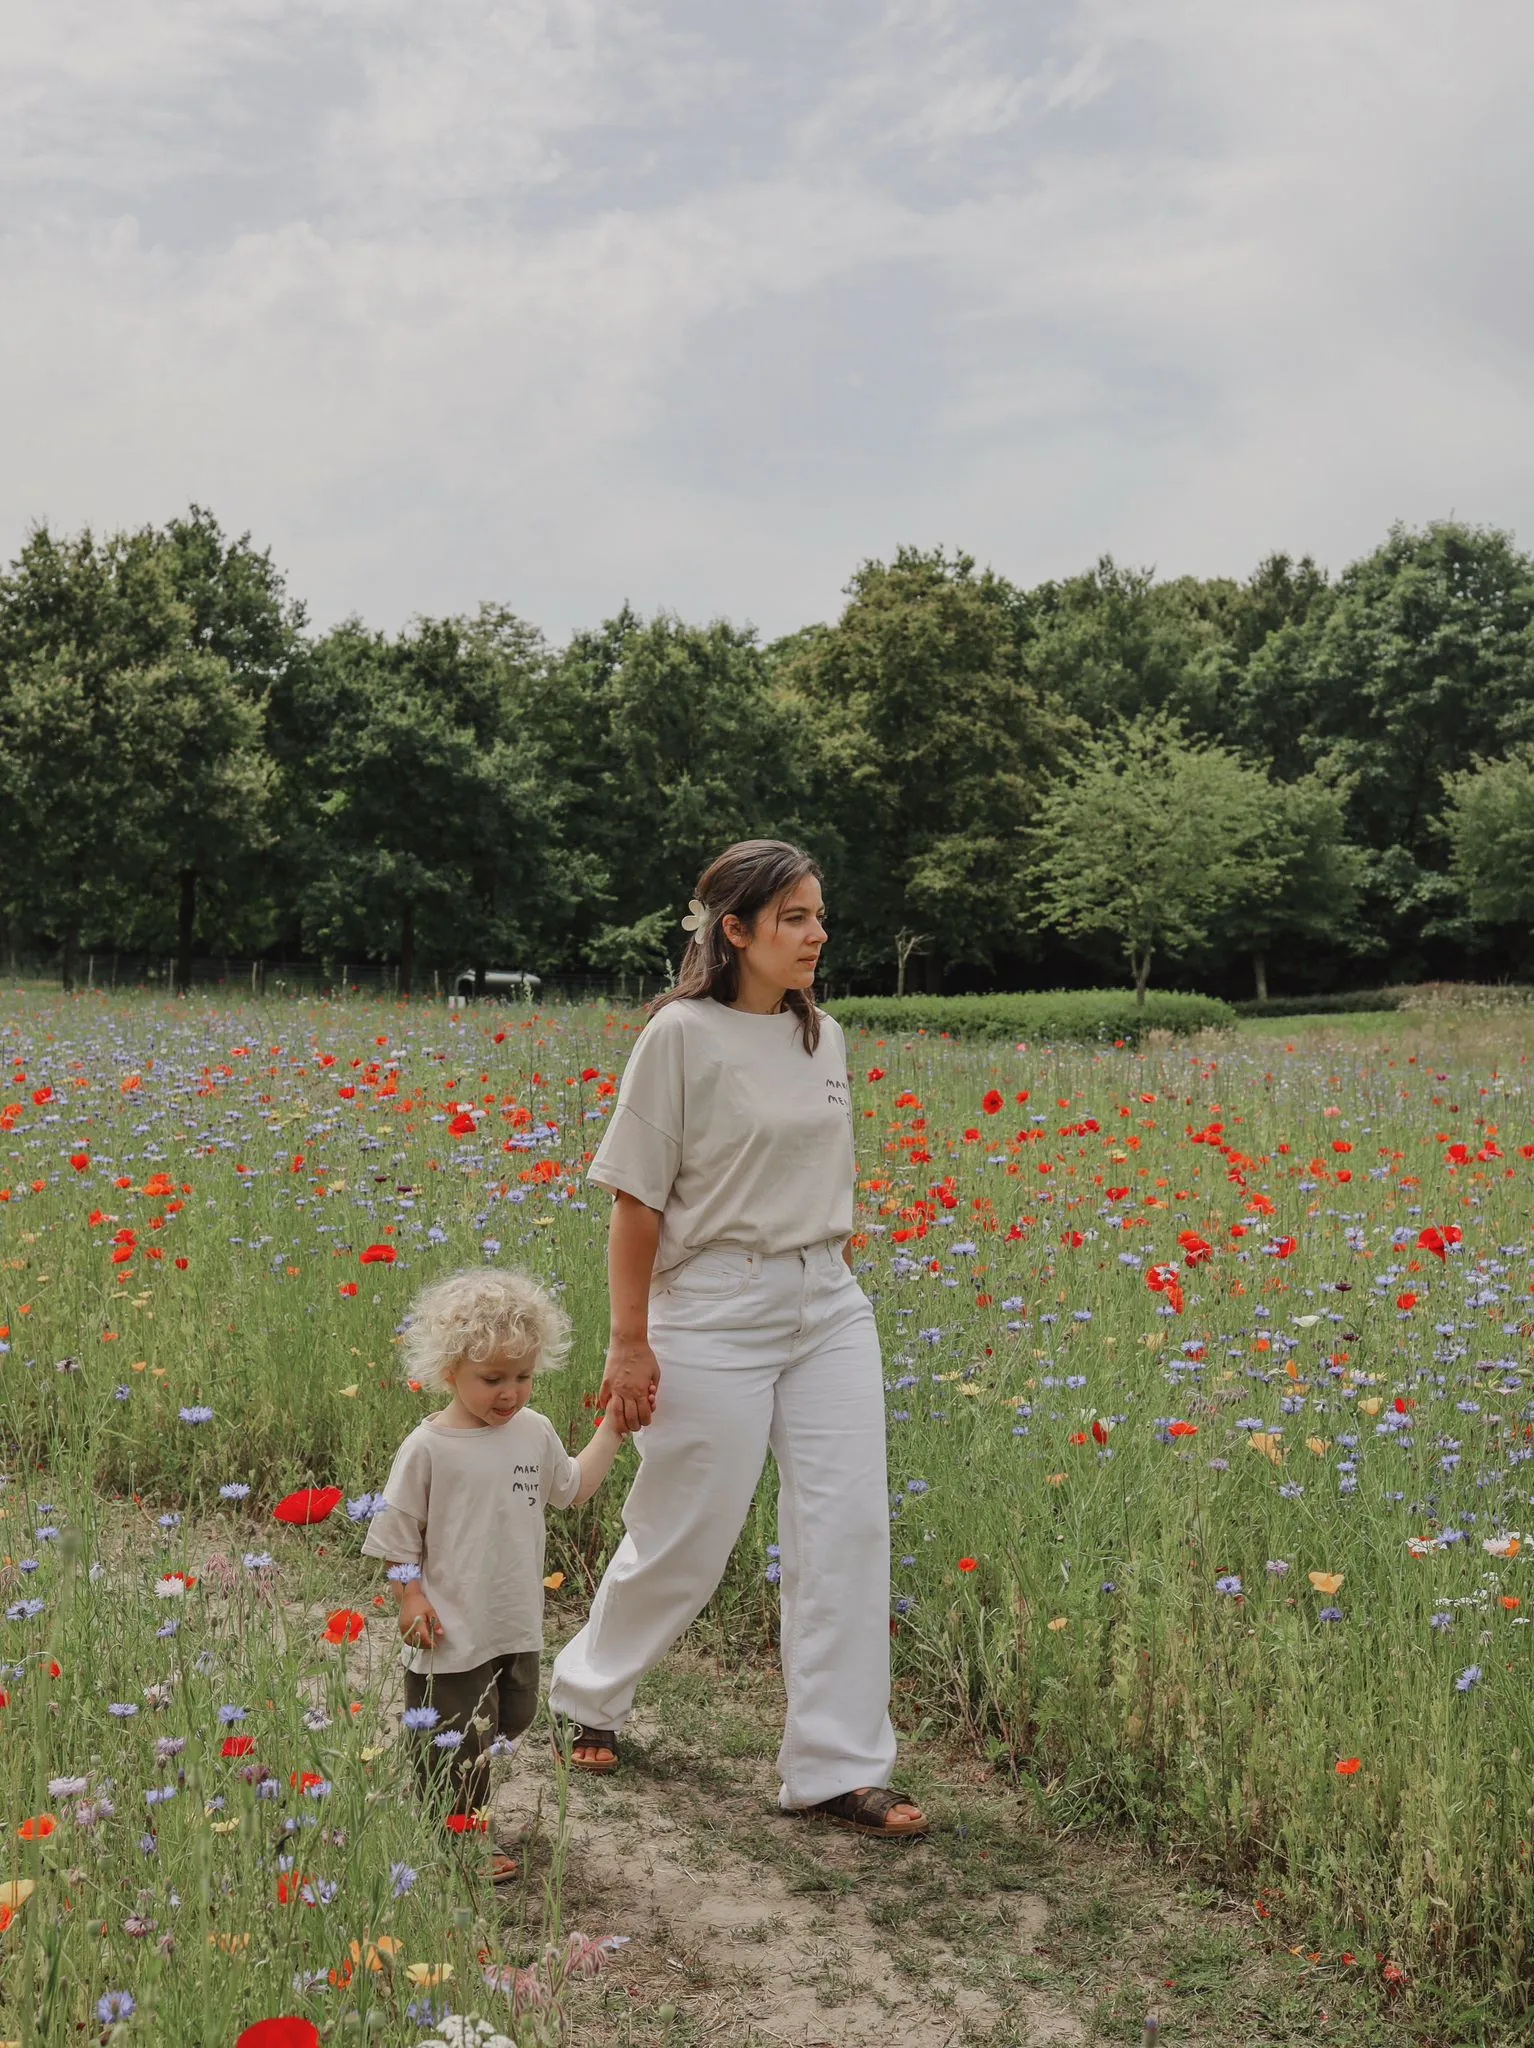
[[129, 759], [1303, 886], [420, 802], [1489, 823], [1150, 841], [1421, 660], [675, 741], [930, 752]]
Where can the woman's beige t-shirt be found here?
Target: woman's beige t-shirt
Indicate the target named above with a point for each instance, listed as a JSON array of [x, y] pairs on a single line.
[[737, 1135], [467, 1506]]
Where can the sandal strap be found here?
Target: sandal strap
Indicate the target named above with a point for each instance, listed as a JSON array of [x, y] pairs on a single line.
[[876, 1804]]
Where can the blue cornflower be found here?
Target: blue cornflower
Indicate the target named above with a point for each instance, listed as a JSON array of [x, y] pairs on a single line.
[[403, 1574], [401, 1878], [196, 1414], [1441, 1620], [229, 1715], [1230, 1584], [123, 1709], [916, 1486], [257, 1560], [1331, 1614], [235, 1490], [450, 1738], [115, 2005], [773, 1574], [421, 1717], [1468, 1679]]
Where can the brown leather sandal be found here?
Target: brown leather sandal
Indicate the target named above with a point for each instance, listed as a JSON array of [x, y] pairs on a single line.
[[503, 1868], [586, 1738], [867, 1812]]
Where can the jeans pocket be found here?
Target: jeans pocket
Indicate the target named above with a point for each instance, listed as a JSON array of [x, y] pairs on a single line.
[[718, 1273]]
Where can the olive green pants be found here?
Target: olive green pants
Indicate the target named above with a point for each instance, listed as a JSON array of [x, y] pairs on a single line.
[[498, 1698]]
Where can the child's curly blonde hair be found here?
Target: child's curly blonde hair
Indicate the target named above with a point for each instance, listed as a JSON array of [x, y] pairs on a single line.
[[474, 1315]]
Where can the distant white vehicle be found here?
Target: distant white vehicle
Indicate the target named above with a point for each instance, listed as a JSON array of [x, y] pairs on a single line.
[[499, 981]]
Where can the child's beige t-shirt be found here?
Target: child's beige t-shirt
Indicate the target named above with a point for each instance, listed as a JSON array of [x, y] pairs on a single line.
[[738, 1136], [467, 1506]]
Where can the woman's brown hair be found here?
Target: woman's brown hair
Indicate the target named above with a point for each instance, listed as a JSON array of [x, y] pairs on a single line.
[[745, 880]]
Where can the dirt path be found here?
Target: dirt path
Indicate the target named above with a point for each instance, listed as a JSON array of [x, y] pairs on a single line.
[[749, 1929]]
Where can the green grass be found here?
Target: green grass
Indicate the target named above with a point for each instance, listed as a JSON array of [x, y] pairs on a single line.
[[1208, 1723]]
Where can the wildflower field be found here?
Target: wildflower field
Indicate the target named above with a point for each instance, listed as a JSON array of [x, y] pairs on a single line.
[[1210, 1442]]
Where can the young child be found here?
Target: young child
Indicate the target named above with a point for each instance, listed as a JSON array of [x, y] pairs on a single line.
[[463, 1522]]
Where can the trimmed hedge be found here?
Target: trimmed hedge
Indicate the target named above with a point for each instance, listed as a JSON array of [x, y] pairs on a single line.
[[1322, 1006], [1090, 1015]]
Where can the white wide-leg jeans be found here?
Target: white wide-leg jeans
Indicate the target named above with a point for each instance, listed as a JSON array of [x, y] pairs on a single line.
[[759, 1353]]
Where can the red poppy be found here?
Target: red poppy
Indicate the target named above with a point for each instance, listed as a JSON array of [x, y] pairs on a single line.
[[992, 1102], [967, 1564], [1099, 1433], [467, 1824], [1407, 1300], [122, 1254], [590, 1073], [348, 1288], [1182, 1429], [283, 2032], [1072, 1240], [877, 1074], [302, 1780], [181, 1265], [309, 1505], [344, 1626], [1341, 1145], [1349, 1766], [37, 1829], [1165, 1280], [462, 1125], [379, 1255], [238, 1745], [42, 1095], [289, 1884], [1285, 1247], [159, 1184], [79, 1161], [1195, 1250]]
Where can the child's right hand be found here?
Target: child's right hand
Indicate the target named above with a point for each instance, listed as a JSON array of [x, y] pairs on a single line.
[[419, 1622]]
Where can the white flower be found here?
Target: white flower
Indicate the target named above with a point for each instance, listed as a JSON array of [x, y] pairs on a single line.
[[66, 1788], [171, 1587], [699, 921]]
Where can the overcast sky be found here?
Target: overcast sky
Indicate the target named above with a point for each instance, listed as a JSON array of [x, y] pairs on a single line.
[[699, 303]]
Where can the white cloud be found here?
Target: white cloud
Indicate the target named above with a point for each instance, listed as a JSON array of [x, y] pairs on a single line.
[[564, 302]]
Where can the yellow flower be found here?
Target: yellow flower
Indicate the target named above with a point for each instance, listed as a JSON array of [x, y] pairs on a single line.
[[349, 1393], [16, 1893], [1060, 1621], [427, 1976], [1270, 1447], [1327, 1582], [1370, 1407], [374, 1752], [1318, 1444], [231, 1944], [554, 1581]]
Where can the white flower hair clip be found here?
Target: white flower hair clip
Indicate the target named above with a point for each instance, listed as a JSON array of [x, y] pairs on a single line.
[[699, 921]]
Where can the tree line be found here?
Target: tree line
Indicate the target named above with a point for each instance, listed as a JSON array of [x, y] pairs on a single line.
[[1313, 778]]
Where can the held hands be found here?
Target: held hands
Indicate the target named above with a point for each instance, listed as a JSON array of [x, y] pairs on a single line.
[[419, 1623], [630, 1384]]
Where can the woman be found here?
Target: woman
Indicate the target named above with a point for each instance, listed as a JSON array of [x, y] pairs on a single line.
[[737, 1327]]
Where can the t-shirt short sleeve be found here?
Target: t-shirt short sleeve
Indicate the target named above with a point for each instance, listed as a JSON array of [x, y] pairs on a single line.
[[561, 1474], [398, 1532], [641, 1148]]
